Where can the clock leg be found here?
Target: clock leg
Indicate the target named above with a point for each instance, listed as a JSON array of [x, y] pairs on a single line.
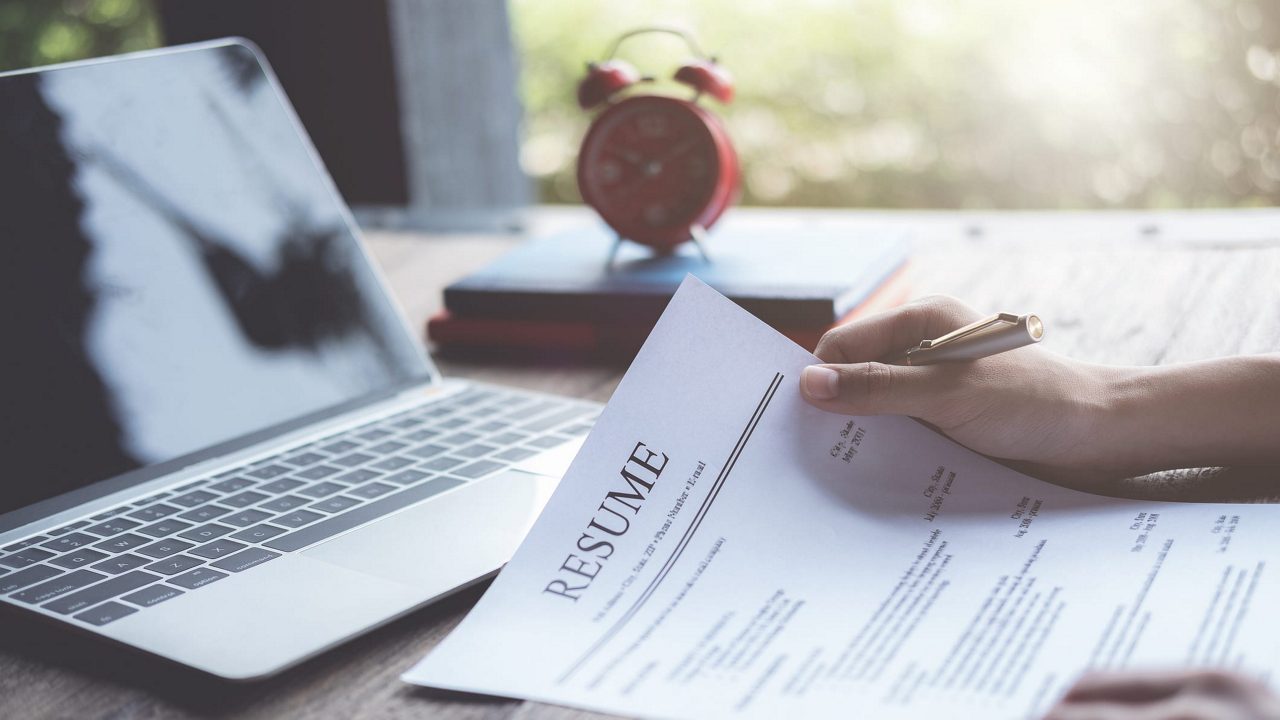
[[698, 235], [613, 252]]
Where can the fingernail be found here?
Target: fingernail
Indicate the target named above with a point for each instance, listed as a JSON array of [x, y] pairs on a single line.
[[820, 383]]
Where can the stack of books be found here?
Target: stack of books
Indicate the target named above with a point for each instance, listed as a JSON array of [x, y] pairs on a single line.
[[559, 296]]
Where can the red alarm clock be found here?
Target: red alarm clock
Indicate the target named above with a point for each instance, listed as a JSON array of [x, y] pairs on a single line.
[[660, 170]]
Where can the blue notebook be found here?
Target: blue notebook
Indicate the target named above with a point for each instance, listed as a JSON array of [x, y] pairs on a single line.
[[807, 278]]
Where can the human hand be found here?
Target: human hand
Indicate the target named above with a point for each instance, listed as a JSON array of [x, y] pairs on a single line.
[[1026, 405], [1165, 695]]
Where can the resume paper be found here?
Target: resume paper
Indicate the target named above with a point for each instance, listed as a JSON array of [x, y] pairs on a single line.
[[721, 549]]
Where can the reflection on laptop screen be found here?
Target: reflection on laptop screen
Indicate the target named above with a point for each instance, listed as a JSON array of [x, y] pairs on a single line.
[[175, 271]]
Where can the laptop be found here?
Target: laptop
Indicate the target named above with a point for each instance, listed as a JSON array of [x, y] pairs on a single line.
[[222, 444]]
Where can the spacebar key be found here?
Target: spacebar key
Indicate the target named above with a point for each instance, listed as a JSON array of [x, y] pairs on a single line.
[[358, 516]]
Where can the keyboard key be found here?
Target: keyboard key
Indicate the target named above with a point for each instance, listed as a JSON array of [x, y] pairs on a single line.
[[516, 454], [205, 533], [121, 563], [275, 487], [340, 447], [361, 475], [121, 543], [164, 527], [507, 438], [164, 548], [404, 477], [358, 516], [394, 462], [554, 419], [459, 439], [298, 518], [244, 499], [69, 542], [372, 490], [192, 499], [25, 543], [441, 464], [317, 472], [479, 469], [21, 559], [281, 504], [197, 578], [155, 512], [452, 423], [258, 533], [154, 595], [174, 565], [428, 450], [106, 613], [305, 459], [215, 550], [420, 434], [406, 422], [353, 459], [492, 426], [245, 559], [475, 451], [204, 514], [95, 594], [23, 578], [334, 504], [68, 528], [245, 518], [547, 441], [387, 447], [580, 429], [62, 585], [266, 472], [231, 485], [81, 557], [320, 490], [372, 435], [530, 411]]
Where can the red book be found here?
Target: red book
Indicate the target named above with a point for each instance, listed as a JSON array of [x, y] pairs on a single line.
[[516, 339]]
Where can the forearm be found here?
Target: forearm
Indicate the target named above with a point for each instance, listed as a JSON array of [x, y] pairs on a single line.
[[1209, 413]]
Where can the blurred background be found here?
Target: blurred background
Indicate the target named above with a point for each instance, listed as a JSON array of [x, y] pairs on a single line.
[[854, 103]]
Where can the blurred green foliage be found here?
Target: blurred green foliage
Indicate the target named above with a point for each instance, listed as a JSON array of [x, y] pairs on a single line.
[[947, 103], [889, 103], [39, 32]]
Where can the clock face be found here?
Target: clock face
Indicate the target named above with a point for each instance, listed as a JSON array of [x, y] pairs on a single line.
[[654, 166]]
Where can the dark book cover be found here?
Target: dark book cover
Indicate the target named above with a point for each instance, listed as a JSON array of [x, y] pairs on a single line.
[[808, 278], [612, 341]]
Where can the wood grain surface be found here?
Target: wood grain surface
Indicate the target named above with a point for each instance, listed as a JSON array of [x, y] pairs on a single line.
[[1123, 288]]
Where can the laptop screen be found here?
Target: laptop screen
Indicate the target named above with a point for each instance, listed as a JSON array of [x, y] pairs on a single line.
[[176, 271]]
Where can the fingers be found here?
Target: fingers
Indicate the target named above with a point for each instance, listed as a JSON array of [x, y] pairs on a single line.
[[1138, 686], [875, 389], [1130, 686], [878, 335]]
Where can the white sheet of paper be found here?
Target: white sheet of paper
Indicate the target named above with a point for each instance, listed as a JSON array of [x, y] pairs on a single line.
[[719, 548]]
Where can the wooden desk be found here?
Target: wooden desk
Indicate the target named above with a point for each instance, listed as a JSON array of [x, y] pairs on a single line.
[[1113, 287]]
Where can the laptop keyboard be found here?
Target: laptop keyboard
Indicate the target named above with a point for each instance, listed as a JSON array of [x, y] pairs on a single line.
[[134, 556]]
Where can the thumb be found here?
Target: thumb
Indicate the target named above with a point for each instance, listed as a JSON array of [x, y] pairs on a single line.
[[870, 388]]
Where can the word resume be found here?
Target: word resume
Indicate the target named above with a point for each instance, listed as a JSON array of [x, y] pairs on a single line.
[[721, 549]]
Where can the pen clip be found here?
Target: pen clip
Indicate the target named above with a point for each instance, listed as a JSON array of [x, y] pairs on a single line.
[[983, 325]]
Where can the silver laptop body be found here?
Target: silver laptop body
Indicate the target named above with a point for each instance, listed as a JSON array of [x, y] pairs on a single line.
[[222, 443]]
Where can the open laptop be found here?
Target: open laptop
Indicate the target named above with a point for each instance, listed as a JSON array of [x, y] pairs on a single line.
[[221, 442]]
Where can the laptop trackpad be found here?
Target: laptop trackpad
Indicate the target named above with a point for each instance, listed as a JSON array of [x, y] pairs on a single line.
[[449, 540]]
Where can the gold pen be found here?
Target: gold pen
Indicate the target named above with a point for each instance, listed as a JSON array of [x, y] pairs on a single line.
[[990, 336]]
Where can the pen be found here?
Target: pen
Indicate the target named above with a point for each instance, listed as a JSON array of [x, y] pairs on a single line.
[[990, 336]]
